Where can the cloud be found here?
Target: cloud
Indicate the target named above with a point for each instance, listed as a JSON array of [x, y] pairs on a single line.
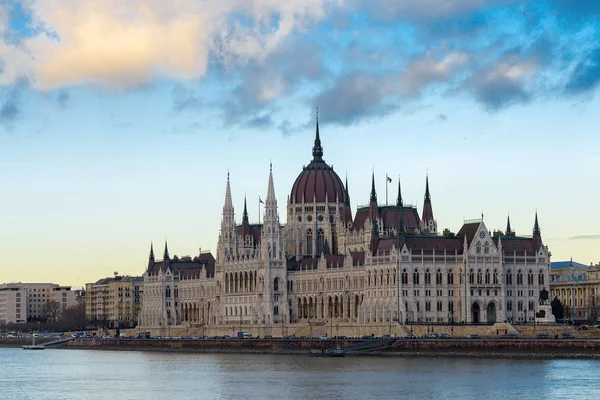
[[586, 237], [10, 108], [430, 69], [502, 83], [116, 44], [586, 74], [442, 117]]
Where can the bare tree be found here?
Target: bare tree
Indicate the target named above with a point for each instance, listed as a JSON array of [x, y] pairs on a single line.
[[52, 310], [593, 309]]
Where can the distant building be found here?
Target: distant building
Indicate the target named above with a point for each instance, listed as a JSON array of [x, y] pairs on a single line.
[[30, 302], [114, 302], [386, 264], [577, 286]]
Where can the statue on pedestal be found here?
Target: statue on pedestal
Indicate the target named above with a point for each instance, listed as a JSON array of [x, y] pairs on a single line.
[[544, 298]]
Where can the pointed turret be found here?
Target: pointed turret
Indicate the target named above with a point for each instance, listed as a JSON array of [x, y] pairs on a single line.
[[428, 223], [317, 149], [373, 193], [508, 228], [399, 201], [401, 233], [166, 252], [151, 258], [271, 188], [537, 234], [245, 221], [227, 245], [270, 234], [347, 201]]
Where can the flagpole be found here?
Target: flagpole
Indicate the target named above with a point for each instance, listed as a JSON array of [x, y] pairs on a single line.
[[386, 189], [259, 210]]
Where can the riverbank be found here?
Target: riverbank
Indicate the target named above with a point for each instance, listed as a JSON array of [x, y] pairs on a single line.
[[479, 348]]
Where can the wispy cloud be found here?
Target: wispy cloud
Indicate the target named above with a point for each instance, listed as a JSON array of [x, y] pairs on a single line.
[[586, 237]]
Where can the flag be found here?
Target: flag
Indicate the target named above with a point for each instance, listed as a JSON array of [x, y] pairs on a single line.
[[388, 179], [260, 200]]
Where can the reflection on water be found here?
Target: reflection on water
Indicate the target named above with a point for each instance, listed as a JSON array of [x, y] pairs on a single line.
[[87, 374]]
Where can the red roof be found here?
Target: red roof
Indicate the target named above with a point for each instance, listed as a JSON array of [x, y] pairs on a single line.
[[320, 180], [515, 244], [428, 244], [469, 230], [390, 217]]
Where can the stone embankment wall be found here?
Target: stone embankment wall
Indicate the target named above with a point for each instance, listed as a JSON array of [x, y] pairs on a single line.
[[516, 348]]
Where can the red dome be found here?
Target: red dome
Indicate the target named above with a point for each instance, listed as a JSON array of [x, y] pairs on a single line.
[[318, 182]]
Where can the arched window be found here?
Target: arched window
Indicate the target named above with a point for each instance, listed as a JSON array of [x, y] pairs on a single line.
[[320, 241], [427, 277], [496, 280], [486, 248], [276, 310], [404, 277], [509, 306], [309, 242], [479, 276], [438, 277], [450, 278], [541, 277], [519, 278], [487, 277], [471, 277], [415, 277], [530, 277], [478, 248], [276, 284], [369, 278], [509, 277]]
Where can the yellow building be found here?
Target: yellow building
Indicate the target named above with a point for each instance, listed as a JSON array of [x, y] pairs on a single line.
[[577, 286], [114, 302]]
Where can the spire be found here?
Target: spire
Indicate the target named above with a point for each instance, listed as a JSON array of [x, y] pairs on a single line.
[[151, 251], [166, 252], [536, 226], [427, 195], [271, 189], [317, 149], [508, 229], [228, 202], [245, 215], [347, 202], [399, 201], [373, 193]]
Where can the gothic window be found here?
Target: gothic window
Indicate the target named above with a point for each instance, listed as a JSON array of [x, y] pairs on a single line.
[[530, 277], [418, 307], [519, 278], [438, 277], [309, 242], [439, 305], [451, 307], [450, 278], [404, 277], [531, 305], [471, 277], [276, 310], [520, 306], [478, 248], [479, 276], [320, 241], [427, 277], [276, 284], [415, 277], [509, 306], [541, 277], [428, 305], [486, 248], [496, 280], [487, 276], [509, 277]]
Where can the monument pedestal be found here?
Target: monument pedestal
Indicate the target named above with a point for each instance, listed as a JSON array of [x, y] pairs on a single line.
[[544, 314]]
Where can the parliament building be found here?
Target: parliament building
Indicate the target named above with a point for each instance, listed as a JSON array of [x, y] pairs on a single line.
[[380, 265]]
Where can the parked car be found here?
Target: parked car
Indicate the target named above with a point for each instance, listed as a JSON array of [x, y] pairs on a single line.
[[473, 336], [568, 335], [543, 336], [445, 336], [512, 336], [410, 336], [432, 336], [323, 337]]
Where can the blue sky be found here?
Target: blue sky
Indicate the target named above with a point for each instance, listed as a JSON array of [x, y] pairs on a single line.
[[119, 121]]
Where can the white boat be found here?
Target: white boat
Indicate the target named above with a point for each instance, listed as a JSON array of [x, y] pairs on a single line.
[[33, 346]]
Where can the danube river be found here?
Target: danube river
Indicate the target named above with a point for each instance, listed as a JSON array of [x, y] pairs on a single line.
[[89, 374]]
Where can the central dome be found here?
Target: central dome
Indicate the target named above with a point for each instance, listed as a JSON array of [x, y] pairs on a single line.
[[318, 183]]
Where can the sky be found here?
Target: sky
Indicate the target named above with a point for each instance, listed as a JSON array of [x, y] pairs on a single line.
[[119, 121]]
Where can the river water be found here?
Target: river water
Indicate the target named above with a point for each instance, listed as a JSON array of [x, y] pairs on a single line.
[[89, 374]]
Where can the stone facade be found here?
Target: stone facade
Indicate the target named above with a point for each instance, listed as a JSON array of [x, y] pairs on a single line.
[[577, 286], [382, 266], [26, 302]]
